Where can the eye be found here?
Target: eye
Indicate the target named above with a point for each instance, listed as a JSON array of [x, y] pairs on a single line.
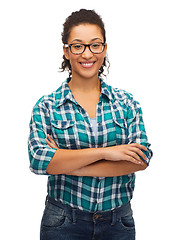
[[96, 45], [77, 46]]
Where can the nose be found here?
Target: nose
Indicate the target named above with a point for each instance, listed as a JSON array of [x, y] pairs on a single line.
[[87, 53]]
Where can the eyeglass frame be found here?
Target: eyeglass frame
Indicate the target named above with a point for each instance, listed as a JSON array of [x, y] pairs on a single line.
[[85, 45]]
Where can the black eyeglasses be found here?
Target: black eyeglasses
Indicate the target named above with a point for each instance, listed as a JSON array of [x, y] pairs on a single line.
[[79, 48]]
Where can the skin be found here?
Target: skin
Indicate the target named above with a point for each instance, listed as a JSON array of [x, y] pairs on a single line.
[[85, 79], [118, 166], [84, 84]]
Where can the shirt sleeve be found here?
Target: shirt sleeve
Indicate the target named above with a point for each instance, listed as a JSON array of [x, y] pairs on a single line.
[[40, 154], [136, 128]]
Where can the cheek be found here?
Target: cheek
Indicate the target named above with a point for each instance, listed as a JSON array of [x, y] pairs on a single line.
[[73, 61], [100, 61]]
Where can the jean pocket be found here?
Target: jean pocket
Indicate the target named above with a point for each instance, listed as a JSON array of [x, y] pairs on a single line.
[[127, 222], [53, 216]]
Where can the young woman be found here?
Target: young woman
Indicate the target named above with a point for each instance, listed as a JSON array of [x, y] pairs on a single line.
[[89, 138]]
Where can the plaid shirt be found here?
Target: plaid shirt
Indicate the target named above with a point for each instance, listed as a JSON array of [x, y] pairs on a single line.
[[119, 121]]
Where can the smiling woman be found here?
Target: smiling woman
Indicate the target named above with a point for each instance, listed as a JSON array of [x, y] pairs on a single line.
[[90, 139], [86, 17], [86, 51]]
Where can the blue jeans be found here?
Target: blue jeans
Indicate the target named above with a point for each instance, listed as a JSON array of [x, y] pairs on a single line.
[[61, 222]]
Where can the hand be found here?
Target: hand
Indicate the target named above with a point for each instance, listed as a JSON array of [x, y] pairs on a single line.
[[51, 143], [128, 152]]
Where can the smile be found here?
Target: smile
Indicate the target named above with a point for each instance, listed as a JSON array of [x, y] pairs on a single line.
[[87, 64]]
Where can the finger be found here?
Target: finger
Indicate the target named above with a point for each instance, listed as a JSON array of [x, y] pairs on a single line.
[[49, 143], [51, 139], [140, 153], [133, 160], [137, 159], [139, 146], [134, 155]]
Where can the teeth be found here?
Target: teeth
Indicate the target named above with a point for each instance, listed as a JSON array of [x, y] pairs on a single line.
[[87, 64]]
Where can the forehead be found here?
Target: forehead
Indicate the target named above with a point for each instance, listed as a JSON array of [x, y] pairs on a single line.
[[85, 33]]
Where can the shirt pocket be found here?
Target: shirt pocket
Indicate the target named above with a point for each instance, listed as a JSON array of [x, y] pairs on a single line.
[[120, 130], [64, 133]]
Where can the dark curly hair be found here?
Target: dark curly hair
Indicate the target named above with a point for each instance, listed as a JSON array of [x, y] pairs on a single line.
[[80, 17]]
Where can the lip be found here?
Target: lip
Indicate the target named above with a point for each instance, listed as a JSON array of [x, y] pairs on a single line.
[[87, 64]]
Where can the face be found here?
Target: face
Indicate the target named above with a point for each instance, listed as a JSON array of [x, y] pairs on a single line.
[[87, 64]]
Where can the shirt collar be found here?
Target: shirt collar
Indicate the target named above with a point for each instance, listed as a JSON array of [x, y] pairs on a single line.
[[64, 92], [106, 90]]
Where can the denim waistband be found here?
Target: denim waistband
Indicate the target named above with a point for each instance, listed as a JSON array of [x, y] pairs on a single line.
[[75, 213]]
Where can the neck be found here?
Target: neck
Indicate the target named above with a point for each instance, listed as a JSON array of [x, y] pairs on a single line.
[[85, 85]]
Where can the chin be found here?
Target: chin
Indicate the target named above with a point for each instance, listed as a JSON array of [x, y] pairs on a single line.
[[89, 76], [85, 74]]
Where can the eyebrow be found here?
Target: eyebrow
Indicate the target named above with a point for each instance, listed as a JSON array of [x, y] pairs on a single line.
[[79, 40], [96, 39]]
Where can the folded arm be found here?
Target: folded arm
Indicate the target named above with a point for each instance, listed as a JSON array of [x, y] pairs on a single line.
[[105, 168], [71, 162]]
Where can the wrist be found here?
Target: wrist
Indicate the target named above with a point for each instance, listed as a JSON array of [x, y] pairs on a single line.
[[97, 153], [104, 152]]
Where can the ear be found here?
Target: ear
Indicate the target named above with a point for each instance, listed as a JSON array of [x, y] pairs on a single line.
[[66, 52], [105, 50]]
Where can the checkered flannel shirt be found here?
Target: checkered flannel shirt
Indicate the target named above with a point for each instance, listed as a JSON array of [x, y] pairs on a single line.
[[119, 121]]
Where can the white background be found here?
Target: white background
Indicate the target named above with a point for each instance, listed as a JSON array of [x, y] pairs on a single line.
[[142, 49]]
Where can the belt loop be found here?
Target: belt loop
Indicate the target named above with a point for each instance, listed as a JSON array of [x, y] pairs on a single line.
[[74, 215], [113, 217]]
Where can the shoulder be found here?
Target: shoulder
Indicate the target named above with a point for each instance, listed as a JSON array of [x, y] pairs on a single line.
[[123, 100], [121, 95], [126, 97]]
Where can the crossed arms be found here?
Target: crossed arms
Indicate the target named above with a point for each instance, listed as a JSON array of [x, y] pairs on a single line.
[[97, 162]]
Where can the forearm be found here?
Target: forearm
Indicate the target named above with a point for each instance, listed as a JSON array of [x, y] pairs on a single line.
[[105, 168], [66, 160]]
